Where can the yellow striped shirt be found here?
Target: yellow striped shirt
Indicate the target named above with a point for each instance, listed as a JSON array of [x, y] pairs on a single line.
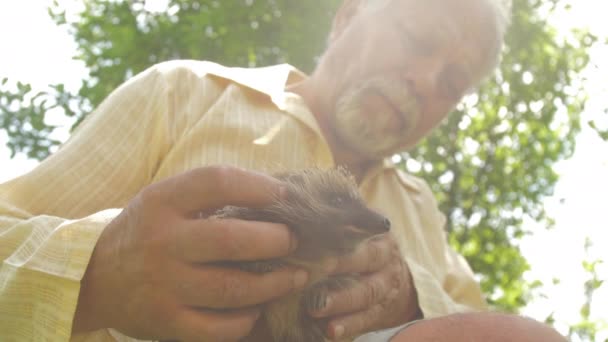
[[173, 117]]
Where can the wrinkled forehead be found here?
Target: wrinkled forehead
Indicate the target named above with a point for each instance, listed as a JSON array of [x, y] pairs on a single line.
[[467, 28]]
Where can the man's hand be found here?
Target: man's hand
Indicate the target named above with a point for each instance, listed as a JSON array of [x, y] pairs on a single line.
[[384, 298], [153, 274]]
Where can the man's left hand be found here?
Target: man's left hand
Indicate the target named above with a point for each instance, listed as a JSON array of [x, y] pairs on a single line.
[[385, 296]]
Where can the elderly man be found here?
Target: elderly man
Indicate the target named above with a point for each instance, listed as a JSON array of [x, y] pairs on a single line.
[[100, 241]]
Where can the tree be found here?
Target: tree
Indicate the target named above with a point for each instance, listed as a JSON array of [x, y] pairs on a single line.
[[587, 328], [490, 163], [118, 39]]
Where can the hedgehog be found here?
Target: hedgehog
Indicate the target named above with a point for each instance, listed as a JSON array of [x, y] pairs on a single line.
[[329, 218]]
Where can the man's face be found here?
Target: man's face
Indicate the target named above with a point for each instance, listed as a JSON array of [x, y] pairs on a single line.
[[395, 72]]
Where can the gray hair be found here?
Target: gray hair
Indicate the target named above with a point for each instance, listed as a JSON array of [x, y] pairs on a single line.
[[501, 17], [500, 8]]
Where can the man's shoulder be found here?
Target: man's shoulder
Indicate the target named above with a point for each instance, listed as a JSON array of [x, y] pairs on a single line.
[[198, 67], [268, 80], [180, 69]]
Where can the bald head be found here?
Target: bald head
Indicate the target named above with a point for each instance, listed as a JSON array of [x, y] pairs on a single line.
[[483, 20]]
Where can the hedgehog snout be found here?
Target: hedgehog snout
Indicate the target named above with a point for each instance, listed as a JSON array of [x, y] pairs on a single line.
[[374, 222], [387, 224]]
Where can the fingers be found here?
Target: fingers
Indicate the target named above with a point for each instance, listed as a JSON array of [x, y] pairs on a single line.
[[232, 288], [365, 293], [231, 239], [218, 186], [383, 299], [200, 325], [369, 257], [355, 324]]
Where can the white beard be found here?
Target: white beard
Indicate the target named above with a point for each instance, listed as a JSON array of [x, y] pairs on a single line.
[[382, 129]]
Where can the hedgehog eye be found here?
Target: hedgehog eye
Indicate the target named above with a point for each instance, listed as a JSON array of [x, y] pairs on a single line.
[[337, 200]]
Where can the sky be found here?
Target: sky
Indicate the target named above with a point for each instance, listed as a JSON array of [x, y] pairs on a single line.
[[35, 51]]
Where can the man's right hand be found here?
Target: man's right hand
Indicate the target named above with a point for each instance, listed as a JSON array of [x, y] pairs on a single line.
[[152, 274]]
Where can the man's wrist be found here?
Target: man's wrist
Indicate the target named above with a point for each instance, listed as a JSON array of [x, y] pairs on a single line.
[[88, 316], [414, 312]]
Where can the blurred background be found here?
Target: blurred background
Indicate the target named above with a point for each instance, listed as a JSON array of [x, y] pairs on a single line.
[[520, 168]]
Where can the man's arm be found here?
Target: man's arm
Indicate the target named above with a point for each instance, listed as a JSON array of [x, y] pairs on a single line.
[[51, 217], [53, 226], [154, 271]]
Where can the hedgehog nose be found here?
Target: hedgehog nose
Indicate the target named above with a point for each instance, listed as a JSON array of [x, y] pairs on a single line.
[[386, 224]]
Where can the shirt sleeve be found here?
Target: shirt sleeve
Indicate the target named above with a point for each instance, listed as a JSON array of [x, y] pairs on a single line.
[[444, 281], [51, 217], [442, 278], [456, 293]]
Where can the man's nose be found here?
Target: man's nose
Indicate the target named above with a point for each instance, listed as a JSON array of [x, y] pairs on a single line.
[[424, 83]]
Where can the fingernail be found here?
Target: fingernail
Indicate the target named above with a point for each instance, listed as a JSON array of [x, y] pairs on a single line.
[[300, 278], [338, 331]]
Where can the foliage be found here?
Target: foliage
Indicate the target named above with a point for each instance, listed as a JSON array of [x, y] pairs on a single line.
[[602, 133], [587, 328], [118, 39], [23, 114], [601, 129], [490, 164]]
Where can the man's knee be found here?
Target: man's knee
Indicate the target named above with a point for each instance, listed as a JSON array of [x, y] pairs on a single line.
[[479, 327]]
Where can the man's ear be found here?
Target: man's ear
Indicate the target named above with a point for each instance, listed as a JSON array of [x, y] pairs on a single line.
[[347, 11]]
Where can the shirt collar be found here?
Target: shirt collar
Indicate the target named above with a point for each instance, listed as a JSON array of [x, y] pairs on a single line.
[[386, 166], [271, 81]]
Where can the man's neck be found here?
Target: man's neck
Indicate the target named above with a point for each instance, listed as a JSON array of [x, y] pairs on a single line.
[[309, 91], [359, 171]]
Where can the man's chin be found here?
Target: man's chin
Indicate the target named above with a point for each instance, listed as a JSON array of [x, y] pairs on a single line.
[[368, 151]]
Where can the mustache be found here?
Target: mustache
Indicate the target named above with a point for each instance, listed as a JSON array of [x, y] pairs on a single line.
[[395, 92]]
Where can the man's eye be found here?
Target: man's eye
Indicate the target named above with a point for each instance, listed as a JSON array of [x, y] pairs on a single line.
[[453, 83]]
